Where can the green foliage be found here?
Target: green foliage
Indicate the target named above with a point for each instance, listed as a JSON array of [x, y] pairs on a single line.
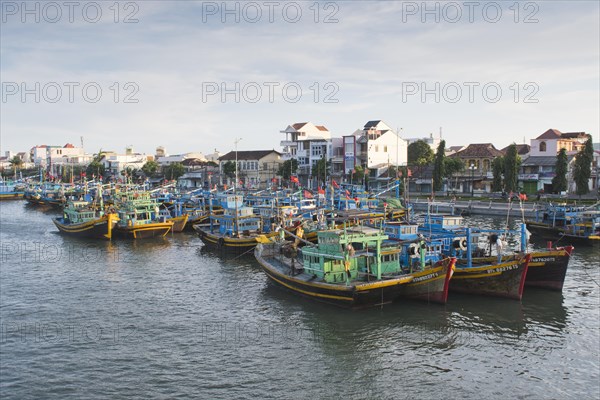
[[497, 171], [150, 169], [98, 156], [288, 168], [583, 168], [358, 175], [321, 169], [419, 153], [512, 161], [439, 166], [174, 171], [559, 182], [229, 169], [94, 169], [452, 165]]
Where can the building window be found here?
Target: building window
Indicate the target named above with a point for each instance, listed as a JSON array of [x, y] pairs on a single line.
[[385, 149], [376, 148], [542, 146]]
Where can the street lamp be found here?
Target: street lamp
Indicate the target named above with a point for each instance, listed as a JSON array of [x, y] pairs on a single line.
[[472, 167]]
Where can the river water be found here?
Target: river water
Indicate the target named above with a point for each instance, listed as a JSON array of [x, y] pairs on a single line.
[[168, 319]]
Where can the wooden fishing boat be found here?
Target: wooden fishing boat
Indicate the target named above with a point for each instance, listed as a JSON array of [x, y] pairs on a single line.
[[11, 191], [503, 279], [82, 219], [547, 268], [236, 229], [138, 216], [352, 268], [569, 224]]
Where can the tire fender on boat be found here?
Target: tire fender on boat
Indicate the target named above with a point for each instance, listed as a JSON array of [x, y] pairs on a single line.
[[221, 242]]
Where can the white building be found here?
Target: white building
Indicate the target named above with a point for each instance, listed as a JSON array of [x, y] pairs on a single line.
[[68, 154], [115, 163], [376, 146], [433, 142], [307, 143], [179, 158]]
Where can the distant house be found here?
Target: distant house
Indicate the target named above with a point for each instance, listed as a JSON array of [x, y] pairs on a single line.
[[522, 150], [477, 175], [307, 143], [539, 167], [256, 168], [375, 147]]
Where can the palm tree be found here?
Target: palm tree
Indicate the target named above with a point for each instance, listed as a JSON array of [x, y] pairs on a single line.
[[16, 162]]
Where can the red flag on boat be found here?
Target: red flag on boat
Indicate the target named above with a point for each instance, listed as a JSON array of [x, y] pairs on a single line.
[[522, 196], [274, 180], [294, 179], [308, 194], [321, 191], [335, 185]]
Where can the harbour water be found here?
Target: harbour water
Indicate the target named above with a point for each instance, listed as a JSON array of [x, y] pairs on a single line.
[[168, 319]]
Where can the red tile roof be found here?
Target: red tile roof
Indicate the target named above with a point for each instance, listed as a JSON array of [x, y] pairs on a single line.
[[68, 146], [299, 125], [479, 150], [322, 128], [550, 134]]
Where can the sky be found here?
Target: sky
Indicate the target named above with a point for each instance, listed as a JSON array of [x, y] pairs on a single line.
[[196, 76]]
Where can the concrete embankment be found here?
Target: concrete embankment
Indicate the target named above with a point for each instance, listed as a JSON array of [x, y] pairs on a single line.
[[478, 208]]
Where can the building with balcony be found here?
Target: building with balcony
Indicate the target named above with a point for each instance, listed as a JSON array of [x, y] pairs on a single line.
[[256, 168], [375, 148], [477, 175], [307, 143], [539, 167]]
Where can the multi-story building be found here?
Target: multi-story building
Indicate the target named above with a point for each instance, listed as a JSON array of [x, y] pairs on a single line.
[[477, 175], [307, 143], [256, 168], [115, 163], [47, 156], [375, 147], [539, 167]]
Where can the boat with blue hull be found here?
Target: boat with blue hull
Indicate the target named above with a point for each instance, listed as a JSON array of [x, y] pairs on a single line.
[[569, 224], [236, 229]]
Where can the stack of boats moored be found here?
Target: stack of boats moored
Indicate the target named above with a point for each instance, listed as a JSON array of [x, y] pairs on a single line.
[[346, 247]]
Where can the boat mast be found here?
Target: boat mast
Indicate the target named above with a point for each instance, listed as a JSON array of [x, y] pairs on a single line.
[[236, 230]]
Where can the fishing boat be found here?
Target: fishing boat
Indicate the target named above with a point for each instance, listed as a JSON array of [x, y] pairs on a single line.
[[547, 268], [139, 216], [353, 268], [236, 229], [569, 224], [84, 219], [11, 191]]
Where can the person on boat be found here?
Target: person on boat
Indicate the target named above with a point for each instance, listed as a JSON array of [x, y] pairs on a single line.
[[499, 246]]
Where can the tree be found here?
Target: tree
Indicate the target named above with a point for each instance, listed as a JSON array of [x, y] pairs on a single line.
[[512, 161], [288, 168], [419, 153], [559, 182], [497, 171], [583, 168], [94, 168], [98, 156], [439, 166], [358, 175], [229, 169], [452, 165], [174, 171], [150, 169], [321, 169], [16, 163]]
